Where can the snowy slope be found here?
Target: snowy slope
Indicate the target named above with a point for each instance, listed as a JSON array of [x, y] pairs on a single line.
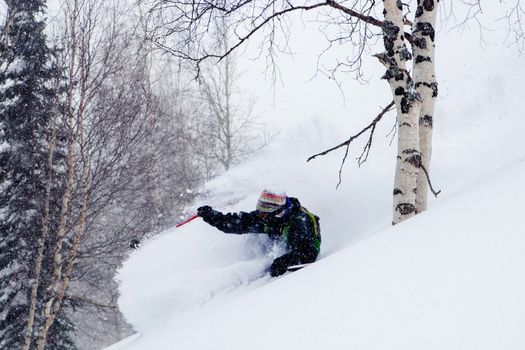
[[451, 278]]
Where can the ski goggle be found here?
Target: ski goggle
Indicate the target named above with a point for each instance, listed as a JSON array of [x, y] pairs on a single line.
[[277, 213]]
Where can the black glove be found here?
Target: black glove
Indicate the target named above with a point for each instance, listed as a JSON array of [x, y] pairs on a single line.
[[205, 212], [279, 266]]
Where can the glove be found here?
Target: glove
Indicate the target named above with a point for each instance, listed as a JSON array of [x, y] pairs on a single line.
[[279, 266], [205, 212]]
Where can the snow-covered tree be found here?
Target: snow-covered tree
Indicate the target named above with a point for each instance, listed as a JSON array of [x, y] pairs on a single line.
[[28, 159]]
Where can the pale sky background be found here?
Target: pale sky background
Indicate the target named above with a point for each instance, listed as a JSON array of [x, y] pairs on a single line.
[[301, 92]]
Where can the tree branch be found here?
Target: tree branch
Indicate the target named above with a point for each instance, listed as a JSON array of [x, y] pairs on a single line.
[[347, 142], [242, 39], [429, 183], [197, 17], [349, 11], [364, 154]]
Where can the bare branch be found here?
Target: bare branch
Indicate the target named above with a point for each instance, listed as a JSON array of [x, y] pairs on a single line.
[[515, 18], [349, 11], [364, 155], [347, 142], [182, 27], [241, 39], [430, 183]]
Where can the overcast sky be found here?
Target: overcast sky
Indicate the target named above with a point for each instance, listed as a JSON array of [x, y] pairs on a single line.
[[301, 92]]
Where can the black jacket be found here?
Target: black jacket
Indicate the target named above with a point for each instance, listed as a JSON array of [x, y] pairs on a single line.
[[299, 228]]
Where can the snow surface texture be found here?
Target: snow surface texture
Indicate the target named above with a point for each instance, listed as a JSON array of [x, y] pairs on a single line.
[[450, 278], [455, 284]]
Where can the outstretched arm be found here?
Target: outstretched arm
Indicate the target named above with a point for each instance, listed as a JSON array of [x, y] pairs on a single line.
[[238, 223]]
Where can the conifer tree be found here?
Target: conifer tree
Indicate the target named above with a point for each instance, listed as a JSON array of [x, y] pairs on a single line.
[[27, 104]]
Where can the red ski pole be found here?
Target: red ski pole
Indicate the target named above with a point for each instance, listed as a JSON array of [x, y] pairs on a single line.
[[186, 221], [136, 244]]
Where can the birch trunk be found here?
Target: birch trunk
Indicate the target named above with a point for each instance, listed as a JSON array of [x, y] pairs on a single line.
[[43, 237], [426, 86], [64, 214], [81, 229], [408, 106], [68, 190]]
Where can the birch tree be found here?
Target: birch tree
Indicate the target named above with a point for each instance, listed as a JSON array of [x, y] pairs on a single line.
[[106, 112], [182, 29], [119, 189], [414, 99], [427, 88]]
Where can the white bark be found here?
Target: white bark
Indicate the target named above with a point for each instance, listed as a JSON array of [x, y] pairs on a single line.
[[426, 86], [408, 106], [66, 198], [68, 191], [79, 233], [43, 237], [92, 61]]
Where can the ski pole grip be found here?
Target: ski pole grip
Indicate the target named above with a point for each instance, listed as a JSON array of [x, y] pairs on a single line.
[[187, 220]]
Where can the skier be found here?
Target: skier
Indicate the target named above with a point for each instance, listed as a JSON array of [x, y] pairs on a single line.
[[278, 216]]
